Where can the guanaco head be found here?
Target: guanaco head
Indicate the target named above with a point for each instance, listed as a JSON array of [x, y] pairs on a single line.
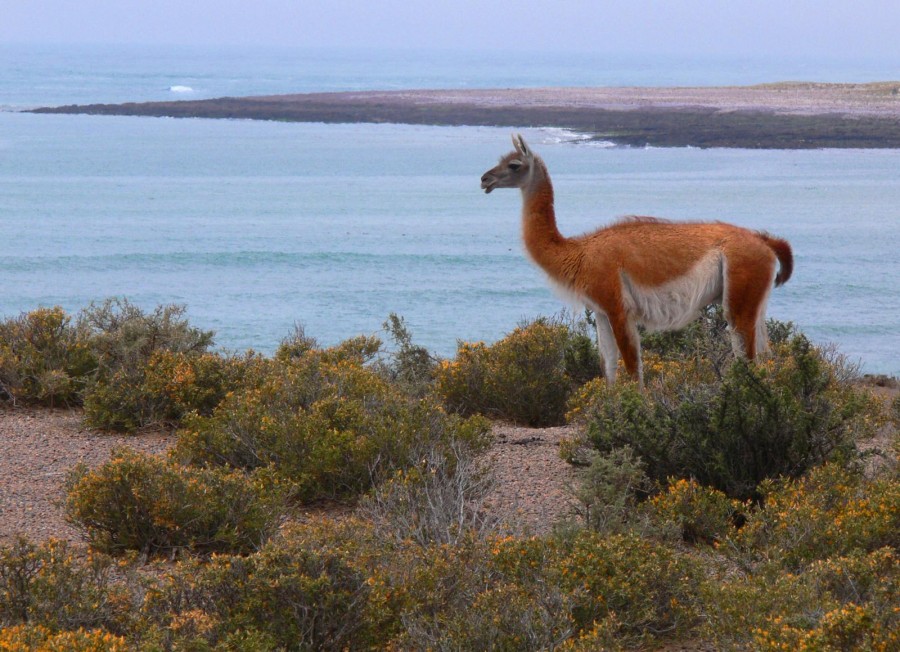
[[514, 169]]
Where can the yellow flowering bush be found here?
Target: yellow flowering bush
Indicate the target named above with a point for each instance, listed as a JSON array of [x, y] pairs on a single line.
[[153, 367], [526, 377], [49, 585], [164, 390], [44, 359], [324, 421], [698, 513], [839, 603], [284, 596], [143, 502], [35, 638], [834, 510]]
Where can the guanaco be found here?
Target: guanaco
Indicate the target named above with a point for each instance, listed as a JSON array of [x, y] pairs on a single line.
[[647, 271]]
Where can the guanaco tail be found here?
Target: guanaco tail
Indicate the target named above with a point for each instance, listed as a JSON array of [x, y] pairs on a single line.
[[647, 271]]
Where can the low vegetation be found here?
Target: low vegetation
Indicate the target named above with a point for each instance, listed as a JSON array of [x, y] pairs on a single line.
[[738, 505]]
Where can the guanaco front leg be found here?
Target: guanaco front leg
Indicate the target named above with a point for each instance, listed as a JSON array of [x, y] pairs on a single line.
[[606, 341]]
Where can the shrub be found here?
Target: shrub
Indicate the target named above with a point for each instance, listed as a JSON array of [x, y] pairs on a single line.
[[623, 580], [426, 601], [166, 389], [526, 377], [141, 502], [410, 366], [439, 498], [609, 490], [44, 360], [128, 343], [324, 421], [282, 597], [841, 603], [513, 593], [706, 340], [296, 344], [46, 585], [534, 594], [778, 418], [697, 513], [124, 335], [834, 510], [35, 638]]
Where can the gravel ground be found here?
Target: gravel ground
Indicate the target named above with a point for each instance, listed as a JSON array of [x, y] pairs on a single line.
[[874, 99], [40, 446], [531, 480]]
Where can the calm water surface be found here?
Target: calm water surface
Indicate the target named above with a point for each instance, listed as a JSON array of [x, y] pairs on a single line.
[[256, 226]]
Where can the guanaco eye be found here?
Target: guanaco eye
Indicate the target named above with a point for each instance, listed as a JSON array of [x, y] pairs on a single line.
[[514, 166]]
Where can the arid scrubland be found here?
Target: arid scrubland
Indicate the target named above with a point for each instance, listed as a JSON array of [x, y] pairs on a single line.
[[343, 497]]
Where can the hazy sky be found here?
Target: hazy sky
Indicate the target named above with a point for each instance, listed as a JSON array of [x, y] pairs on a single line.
[[845, 28]]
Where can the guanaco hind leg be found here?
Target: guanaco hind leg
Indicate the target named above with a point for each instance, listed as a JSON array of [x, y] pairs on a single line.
[[745, 310], [629, 342]]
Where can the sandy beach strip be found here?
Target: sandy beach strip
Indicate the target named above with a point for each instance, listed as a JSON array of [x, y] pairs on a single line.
[[783, 115]]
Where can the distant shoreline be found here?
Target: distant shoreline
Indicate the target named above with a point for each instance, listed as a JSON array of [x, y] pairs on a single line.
[[769, 116]]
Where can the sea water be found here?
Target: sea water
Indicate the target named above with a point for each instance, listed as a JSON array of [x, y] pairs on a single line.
[[256, 226]]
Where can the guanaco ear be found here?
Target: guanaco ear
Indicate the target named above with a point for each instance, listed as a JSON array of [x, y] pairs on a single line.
[[521, 147]]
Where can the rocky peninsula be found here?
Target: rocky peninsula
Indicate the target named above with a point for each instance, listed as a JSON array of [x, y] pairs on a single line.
[[790, 115]]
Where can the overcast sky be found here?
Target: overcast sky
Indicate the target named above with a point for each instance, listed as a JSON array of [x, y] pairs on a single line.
[[844, 28]]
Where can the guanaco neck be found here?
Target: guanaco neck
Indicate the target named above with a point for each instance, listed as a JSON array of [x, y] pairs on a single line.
[[545, 244]]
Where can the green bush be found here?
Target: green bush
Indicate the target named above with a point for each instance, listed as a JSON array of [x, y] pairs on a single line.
[[325, 422], [526, 377], [409, 365], [44, 359], [778, 418], [127, 343], [142, 502], [47, 585], [609, 491]]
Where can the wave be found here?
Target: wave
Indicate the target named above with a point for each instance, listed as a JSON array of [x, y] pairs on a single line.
[[235, 259], [561, 136], [181, 89]]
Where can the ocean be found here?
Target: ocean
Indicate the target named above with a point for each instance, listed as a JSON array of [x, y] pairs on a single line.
[[257, 226]]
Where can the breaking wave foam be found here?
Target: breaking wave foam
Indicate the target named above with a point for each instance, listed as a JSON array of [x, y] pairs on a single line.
[[558, 135]]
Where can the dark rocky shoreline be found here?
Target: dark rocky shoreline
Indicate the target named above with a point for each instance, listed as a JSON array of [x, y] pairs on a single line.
[[780, 116]]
